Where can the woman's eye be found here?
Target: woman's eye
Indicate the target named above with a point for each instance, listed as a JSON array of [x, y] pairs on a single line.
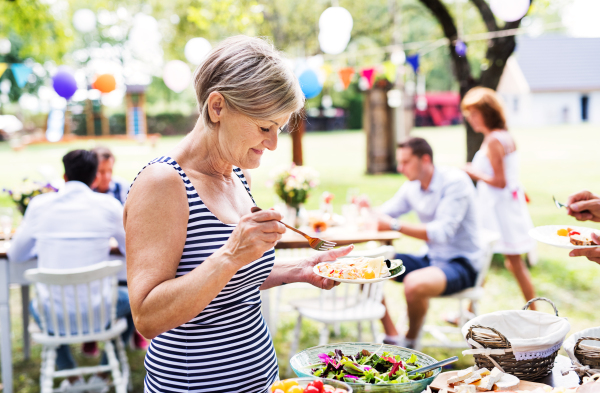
[[264, 129]]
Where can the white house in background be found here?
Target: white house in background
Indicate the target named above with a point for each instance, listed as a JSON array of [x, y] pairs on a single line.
[[552, 79]]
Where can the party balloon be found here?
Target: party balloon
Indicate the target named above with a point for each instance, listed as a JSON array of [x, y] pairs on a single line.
[[461, 48], [196, 50], [5, 46], [309, 83], [335, 26], [336, 18], [509, 10], [64, 83], [177, 75], [84, 20], [105, 83]]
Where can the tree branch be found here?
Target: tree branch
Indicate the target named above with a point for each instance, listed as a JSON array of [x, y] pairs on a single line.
[[486, 14]]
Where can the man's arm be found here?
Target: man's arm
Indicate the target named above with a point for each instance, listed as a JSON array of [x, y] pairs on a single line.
[[118, 231]]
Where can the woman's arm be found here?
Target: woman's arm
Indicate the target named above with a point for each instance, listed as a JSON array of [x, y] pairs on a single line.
[[155, 221], [302, 271], [495, 153]]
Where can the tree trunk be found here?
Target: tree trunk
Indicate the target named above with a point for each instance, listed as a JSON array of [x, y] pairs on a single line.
[[297, 130], [497, 54]]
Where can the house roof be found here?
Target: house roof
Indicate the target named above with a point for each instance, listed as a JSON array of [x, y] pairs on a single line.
[[559, 63]]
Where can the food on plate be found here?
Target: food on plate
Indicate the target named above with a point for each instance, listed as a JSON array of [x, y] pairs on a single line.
[[475, 379], [563, 232], [545, 390], [367, 368], [360, 268], [291, 386], [580, 240]]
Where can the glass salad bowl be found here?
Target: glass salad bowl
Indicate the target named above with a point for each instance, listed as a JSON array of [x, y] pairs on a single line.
[[300, 361]]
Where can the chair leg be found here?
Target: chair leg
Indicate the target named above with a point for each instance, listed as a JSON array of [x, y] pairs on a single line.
[[118, 381], [324, 334], [359, 336], [373, 330], [337, 330], [125, 370], [475, 304], [47, 377], [296, 338]]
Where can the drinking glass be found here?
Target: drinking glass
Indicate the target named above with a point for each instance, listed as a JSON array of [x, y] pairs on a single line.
[[6, 221]]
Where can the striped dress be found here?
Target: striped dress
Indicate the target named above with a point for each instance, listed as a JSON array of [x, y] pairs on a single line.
[[227, 347]]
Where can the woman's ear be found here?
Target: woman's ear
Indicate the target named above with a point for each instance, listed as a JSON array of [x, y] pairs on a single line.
[[216, 103]]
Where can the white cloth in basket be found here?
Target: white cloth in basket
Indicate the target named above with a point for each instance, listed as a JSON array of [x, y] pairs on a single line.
[[531, 334], [570, 348]]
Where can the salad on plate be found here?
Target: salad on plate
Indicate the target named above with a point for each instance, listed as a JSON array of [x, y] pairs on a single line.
[[367, 368], [361, 268]]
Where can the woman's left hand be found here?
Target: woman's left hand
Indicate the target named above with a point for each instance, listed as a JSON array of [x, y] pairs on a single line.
[[307, 267], [470, 171], [593, 254]]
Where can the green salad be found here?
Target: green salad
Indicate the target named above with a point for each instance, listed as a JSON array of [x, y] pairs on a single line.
[[366, 367]]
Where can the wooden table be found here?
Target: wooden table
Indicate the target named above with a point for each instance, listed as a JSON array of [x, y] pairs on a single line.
[[339, 235]]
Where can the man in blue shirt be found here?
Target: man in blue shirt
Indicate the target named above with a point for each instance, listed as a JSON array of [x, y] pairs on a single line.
[[444, 200], [105, 182]]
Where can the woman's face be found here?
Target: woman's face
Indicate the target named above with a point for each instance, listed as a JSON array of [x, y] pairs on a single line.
[[475, 119], [243, 140]]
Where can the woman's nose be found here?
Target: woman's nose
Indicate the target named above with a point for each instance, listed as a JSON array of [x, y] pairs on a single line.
[[271, 142]]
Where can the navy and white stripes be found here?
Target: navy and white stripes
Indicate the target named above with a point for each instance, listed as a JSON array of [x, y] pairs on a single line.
[[227, 347]]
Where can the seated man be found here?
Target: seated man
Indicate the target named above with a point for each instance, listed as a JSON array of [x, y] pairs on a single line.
[[105, 182], [81, 223], [443, 198]]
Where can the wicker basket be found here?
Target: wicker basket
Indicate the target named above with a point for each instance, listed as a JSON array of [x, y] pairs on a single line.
[[529, 370], [588, 355]]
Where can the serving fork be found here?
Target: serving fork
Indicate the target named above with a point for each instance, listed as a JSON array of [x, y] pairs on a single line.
[[314, 242]]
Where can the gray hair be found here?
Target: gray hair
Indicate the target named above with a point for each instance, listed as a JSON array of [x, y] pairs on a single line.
[[252, 77]]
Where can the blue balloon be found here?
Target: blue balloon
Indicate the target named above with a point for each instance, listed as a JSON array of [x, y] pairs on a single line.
[[309, 83], [64, 83], [460, 48]]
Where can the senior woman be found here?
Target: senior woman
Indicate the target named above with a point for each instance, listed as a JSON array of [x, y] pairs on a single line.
[[501, 199], [196, 256]]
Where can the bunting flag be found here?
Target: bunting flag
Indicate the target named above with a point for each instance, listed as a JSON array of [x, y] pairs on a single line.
[[3, 67], [414, 62], [389, 71], [369, 75], [21, 72], [346, 76]]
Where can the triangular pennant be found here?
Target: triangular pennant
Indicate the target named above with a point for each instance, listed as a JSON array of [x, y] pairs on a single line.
[[21, 73], [389, 71], [346, 76], [414, 62], [3, 67], [369, 75]]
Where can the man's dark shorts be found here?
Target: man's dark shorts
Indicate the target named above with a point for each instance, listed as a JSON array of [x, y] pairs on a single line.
[[459, 273]]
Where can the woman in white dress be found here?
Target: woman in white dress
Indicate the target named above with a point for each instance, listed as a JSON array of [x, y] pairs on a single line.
[[495, 168]]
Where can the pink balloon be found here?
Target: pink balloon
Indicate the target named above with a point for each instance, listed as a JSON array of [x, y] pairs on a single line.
[[177, 75]]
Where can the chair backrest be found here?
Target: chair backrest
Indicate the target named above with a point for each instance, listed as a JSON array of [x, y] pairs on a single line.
[[487, 241], [76, 302]]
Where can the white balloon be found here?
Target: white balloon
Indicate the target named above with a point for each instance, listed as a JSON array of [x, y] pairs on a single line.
[[336, 19], [84, 20], [333, 43], [196, 50], [335, 26], [509, 10], [177, 75], [5, 46]]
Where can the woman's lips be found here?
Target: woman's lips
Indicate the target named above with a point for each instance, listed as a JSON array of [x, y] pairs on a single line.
[[258, 151]]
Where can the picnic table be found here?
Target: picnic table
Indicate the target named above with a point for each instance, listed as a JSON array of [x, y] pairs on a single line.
[[340, 235]]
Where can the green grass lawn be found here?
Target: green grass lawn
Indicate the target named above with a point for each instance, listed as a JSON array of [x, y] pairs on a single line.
[[554, 161]]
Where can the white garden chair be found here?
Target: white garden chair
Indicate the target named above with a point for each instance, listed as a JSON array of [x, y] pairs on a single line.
[[64, 298], [345, 303], [440, 333]]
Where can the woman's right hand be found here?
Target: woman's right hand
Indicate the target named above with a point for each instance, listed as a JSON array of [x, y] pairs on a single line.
[[255, 234]]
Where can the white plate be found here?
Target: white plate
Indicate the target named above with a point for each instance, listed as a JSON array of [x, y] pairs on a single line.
[[547, 234], [358, 280]]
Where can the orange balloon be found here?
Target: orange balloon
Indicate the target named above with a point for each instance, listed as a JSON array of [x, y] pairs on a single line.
[[105, 83]]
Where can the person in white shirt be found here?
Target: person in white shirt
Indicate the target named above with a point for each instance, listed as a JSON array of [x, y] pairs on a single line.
[[444, 200], [72, 228], [105, 182]]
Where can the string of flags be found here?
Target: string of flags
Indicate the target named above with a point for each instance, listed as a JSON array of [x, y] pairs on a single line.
[[20, 72]]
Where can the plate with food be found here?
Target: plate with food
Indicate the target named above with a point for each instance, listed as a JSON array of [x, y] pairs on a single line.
[[476, 380], [360, 270], [564, 236]]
